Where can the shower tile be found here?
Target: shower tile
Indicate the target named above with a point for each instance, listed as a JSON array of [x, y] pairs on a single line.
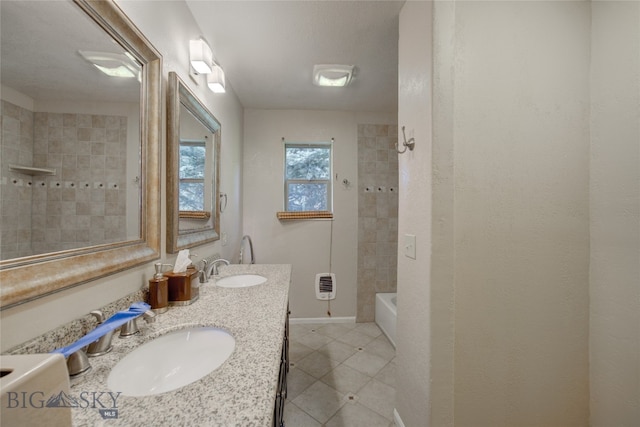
[[97, 148], [98, 135], [55, 120], [98, 121], [84, 120], [69, 120], [84, 134]]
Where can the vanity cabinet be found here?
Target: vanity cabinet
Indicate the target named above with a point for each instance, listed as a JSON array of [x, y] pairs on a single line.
[[281, 393]]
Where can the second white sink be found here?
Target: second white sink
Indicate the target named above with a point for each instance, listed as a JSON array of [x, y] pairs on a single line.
[[171, 361], [241, 281]]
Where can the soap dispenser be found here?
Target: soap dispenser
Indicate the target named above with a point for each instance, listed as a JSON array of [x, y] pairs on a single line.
[[159, 290]]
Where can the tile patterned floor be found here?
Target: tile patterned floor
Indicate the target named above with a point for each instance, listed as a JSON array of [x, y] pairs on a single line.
[[341, 375]]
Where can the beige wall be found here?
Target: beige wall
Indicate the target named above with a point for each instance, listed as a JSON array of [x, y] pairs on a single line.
[[169, 26], [615, 215], [305, 244]]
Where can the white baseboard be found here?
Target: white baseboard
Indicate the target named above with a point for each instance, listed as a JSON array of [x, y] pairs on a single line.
[[397, 419], [302, 320]]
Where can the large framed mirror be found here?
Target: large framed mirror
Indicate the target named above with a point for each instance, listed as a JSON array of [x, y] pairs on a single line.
[[81, 128], [193, 169]]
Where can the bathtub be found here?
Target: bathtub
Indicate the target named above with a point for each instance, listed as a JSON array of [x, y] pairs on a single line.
[[386, 314]]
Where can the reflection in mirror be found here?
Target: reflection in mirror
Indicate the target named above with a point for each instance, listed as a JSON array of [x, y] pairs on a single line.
[[71, 134], [80, 128], [193, 156]]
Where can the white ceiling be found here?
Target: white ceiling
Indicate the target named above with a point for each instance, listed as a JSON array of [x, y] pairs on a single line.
[[39, 43], [268, 49]]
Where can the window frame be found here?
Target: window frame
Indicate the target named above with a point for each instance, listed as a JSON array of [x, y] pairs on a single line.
[[328, 182], [181, 180]]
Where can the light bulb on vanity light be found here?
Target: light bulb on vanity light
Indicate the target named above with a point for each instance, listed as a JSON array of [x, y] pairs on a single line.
[[201, 56], [215, 80]]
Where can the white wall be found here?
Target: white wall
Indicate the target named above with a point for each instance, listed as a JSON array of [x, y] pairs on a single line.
[[506, 183], [615, 215], [521, 117], [305, 244], [414, 216], [169, 26]]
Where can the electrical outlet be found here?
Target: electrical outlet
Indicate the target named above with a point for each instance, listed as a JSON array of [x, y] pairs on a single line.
[[224, 239]]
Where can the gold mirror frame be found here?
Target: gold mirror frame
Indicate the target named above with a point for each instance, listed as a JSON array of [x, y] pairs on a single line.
[[25, 279], [178, 93]]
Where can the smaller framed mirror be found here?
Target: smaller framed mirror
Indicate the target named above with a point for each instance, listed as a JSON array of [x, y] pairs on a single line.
[[193, 169]]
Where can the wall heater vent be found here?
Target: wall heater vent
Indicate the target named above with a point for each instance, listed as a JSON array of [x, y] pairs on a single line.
[[326, 286]]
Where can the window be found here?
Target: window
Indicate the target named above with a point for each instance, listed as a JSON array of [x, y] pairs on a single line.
[[307, 180], [192, 172]]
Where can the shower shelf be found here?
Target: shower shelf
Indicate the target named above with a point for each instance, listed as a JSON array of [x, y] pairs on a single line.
[[30, 170]]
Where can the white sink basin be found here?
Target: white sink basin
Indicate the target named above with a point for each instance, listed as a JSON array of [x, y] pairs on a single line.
[[171, 361], [241, 281]]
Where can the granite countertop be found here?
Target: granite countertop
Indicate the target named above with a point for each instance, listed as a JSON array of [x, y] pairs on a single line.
[[241, 392]]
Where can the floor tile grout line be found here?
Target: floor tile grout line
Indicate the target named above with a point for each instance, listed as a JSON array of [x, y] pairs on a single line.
[[314, 330]]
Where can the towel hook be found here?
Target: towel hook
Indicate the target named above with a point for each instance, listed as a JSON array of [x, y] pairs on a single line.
[[223, 196], [407, 144]]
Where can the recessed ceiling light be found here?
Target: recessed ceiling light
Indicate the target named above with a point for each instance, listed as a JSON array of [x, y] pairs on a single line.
[[332, 75], [112, 64]]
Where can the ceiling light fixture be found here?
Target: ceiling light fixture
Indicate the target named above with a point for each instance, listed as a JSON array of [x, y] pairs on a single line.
[[332, 75], [113, 64], [215, 80], [201, 56]]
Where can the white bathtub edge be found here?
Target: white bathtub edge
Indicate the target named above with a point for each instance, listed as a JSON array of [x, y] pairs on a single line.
[[385, 315]]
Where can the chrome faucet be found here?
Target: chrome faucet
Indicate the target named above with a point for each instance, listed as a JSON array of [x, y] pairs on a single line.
[[204, 276], [99, 339], [131, 327], [212, 270], [248, 238], [103, 344]]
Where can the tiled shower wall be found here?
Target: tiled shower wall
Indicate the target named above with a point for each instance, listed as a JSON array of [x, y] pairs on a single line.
[[15, 199], [84, 203], [377, 215]]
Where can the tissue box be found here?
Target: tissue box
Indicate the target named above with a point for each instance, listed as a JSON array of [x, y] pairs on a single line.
[[35, 391], [183, 287]]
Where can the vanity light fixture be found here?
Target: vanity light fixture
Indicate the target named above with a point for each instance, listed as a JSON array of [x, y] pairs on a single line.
[[332, 75], [215, 80], [113, 64], [201, 56]]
